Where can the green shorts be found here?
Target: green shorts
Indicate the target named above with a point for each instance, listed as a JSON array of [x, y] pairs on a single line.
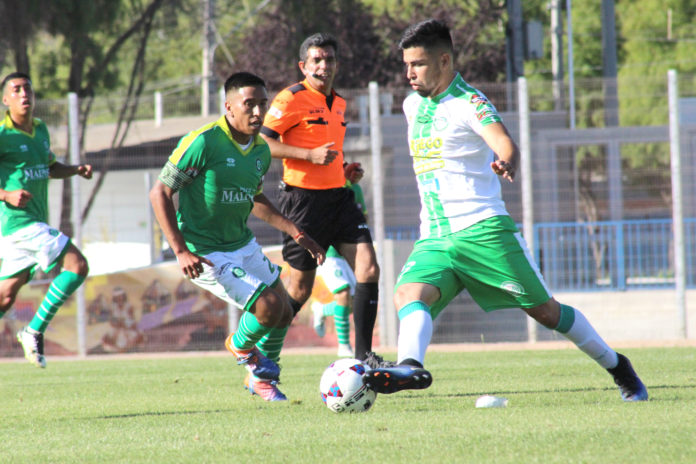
[[489, 259]]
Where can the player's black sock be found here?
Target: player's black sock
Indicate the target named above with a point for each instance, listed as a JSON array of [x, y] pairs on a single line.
[[411, 362], [364, 316], [295, 305]]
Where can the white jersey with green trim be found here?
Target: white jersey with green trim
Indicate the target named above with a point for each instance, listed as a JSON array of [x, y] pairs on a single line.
[[451, 160]]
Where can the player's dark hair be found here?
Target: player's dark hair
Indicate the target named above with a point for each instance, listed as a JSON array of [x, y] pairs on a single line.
[[14, 75], [320, 40], [243, 79], [429, 34]]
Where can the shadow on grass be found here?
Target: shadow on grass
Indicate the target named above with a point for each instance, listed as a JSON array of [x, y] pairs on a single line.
[[651, 388], [163, 413]]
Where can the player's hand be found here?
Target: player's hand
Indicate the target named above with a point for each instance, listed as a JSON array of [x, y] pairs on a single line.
[[353, 172], [191, 264], [505, 169], [314, 249], [84, 170], [323, 155], [18, 198]]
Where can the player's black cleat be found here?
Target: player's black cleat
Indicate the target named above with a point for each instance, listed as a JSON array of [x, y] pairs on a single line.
[[374, 361], [630, 386], [397, 378]]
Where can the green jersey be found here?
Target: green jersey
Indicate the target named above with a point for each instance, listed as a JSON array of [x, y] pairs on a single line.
[[217, 180], [24, 162]]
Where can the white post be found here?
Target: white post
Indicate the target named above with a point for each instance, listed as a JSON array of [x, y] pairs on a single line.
[[150, 220], [158, 109], [221, 100], [74, 144], [677, 207], [377, 212], [526, 170], [571, 68]]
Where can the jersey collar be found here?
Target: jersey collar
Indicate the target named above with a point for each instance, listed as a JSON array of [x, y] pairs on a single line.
[[222, 124], [455, 80], [8, 122]]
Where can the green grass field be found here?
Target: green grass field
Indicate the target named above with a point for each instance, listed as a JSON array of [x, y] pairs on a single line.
[[562, 409]]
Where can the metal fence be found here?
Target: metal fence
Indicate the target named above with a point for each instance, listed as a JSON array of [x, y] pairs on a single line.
[[602, 195]]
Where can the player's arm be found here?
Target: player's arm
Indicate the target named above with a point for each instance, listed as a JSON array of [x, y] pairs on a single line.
[[264, 210], [323, 154], [161, 198], [59, 170], [507, 154]]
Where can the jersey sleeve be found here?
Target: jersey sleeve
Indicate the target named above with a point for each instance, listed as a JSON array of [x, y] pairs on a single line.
[[281, 116], [481, 112], [185, 162]]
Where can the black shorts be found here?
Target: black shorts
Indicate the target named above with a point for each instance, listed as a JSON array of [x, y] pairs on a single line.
[[330, 217]]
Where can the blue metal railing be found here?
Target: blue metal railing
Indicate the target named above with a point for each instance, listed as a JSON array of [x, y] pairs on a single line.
[[609, 255]]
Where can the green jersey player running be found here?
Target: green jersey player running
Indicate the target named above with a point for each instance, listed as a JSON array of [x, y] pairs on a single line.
[[218, 172], [468, 241], [26, 240]]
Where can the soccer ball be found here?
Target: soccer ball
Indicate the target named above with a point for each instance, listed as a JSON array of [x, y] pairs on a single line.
[[342, 389]]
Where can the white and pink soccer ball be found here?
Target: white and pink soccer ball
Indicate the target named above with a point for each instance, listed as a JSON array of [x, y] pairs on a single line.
[[342, 389]]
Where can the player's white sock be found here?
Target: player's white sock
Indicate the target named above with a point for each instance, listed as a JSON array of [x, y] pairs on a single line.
[[415, 331], [576, 328]]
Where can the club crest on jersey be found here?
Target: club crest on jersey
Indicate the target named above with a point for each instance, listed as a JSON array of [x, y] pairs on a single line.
[[440, 123], [231, 162], [238, 272], [513, 288]]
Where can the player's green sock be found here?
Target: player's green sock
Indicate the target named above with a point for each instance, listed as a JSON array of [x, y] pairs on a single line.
[[60, 290], [342, 321], [249, 332], [329, 309], [271, 343]]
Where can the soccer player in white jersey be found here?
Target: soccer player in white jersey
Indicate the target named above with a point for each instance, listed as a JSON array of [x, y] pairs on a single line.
[[468, 241]]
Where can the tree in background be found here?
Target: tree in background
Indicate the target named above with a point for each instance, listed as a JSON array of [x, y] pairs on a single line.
[[368, 35]]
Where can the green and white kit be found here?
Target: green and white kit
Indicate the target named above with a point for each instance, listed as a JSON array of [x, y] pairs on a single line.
[[217, 180], [467, 238]]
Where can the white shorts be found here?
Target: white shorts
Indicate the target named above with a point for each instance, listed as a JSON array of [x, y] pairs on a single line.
[[337, 275], [239, 276], [36, 244]]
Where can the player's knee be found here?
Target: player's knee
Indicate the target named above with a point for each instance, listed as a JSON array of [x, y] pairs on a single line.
[[367, 272], [547, 314], [81, 267], [342, 298], [271, 310], [6, 301]]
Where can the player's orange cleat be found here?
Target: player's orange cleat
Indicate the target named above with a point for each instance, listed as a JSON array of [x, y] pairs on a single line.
[[255, 362], [266, 389]]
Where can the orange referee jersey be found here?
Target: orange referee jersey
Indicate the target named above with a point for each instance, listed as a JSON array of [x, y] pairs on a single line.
[[304, 117]]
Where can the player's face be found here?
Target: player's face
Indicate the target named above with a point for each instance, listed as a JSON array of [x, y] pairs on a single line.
[[426, 71], [18, 96], [246, 108], [320, 68]]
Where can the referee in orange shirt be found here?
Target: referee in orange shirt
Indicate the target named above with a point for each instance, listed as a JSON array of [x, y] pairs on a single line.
[[305, 127]]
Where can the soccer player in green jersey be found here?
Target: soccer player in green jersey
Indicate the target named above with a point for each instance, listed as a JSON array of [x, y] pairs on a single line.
[[468, 241], [218, 171], [26, 240]]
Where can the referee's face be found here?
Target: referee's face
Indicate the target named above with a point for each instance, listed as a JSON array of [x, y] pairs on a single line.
[[246, 108], [320, 68]]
